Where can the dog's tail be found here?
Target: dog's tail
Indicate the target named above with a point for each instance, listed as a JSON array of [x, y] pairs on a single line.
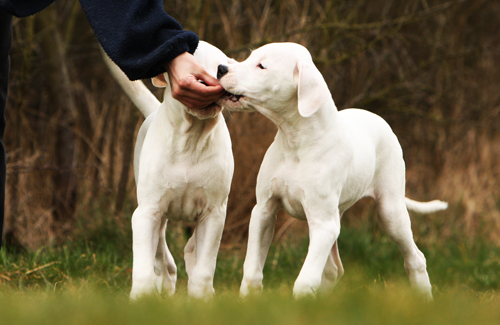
[[137, 91], [425, 207]]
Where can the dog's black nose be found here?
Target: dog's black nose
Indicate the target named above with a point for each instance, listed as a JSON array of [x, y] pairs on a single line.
[[221, 71]]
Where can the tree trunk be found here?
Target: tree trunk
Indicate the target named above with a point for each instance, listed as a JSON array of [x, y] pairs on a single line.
[[63, 114]]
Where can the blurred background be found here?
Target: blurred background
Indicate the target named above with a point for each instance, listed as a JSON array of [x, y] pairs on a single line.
[[430, 68]]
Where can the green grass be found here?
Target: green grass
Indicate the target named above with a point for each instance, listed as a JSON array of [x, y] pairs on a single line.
[[374, 306], [87, 282]]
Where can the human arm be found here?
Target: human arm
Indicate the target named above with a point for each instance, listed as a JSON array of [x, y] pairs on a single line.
[[138, 35], [144, 42]]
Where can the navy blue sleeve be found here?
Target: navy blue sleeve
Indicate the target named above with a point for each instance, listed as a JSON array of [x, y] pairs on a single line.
[[23, 8], [138, 35]]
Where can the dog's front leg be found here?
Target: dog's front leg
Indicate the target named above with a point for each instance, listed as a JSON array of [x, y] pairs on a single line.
[[208, 236], [324, 229], [145, 236], [260, 236]]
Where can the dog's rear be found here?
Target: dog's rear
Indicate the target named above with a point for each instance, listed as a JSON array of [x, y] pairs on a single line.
[[137, 91], [425, 207], [142, 98]]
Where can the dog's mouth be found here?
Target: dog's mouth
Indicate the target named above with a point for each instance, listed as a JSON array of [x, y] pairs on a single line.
[[231, 97], [209, 111], [210, 106]]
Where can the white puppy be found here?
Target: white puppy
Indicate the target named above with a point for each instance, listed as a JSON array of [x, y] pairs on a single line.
[[183, 166], [321, 162]]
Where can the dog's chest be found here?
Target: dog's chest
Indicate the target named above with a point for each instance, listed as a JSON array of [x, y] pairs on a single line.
[[192, 193], [187, 203], [187, 192]]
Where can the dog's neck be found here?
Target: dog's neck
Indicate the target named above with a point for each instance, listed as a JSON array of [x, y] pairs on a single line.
[[186, 132], [296, 132]]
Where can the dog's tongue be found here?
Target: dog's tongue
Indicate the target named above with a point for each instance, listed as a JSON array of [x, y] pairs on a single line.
[[232, 97]]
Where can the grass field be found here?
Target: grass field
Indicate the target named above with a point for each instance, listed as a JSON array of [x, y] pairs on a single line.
[[87, 282]]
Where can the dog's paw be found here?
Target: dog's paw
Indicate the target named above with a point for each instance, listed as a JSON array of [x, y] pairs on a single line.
[[302, 294], [246, 289], [305, 289], [138, 293], [200, 289]]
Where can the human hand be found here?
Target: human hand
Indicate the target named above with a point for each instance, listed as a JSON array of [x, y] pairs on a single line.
[[184, 73]]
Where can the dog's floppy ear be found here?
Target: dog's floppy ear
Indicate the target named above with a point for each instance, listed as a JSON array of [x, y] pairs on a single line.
[[312, 90], [159, 81]]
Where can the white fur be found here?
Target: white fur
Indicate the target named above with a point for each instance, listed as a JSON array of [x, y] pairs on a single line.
[[321, 162], [140, 95], [183, 166]]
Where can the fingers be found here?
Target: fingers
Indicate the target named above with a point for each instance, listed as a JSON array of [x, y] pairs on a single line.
[[185, 74], [194, 94], [207, 78]]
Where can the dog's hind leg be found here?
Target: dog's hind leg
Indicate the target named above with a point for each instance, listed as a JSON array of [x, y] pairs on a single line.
[[395, 220], [165, 268], [333, 270], [190, 254], [260, 236], [146, 224]]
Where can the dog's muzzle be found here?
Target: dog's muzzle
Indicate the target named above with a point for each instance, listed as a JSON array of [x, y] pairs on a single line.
[[222, 70]]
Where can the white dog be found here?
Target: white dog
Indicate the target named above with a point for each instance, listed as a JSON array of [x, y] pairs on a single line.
[[183, 166], [321, 162]]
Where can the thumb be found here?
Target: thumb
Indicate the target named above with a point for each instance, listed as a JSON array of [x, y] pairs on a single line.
[[207, 78]]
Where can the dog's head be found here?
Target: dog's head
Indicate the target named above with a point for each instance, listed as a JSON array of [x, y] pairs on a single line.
[[210, 58], [276, 76]]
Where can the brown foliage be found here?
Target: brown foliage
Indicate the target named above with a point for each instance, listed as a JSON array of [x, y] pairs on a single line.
[[430, 68]]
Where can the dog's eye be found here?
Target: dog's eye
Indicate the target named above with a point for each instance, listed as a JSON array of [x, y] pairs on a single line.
[[260, 66]]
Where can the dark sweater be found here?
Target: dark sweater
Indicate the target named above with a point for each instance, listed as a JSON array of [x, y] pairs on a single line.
[[138, 35]]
